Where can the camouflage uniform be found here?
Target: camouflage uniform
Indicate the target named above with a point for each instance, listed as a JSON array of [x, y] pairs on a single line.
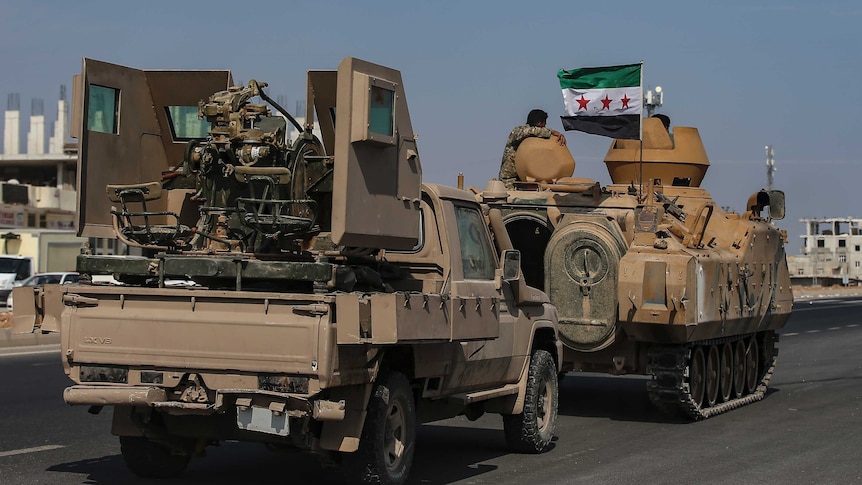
[[508, 175]]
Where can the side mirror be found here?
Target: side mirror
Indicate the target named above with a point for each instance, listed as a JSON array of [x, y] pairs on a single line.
[[511, 263], [776, 204], [774, 199]]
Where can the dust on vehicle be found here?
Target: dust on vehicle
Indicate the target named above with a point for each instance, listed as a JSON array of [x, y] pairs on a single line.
[[334, 302], [649, 274]]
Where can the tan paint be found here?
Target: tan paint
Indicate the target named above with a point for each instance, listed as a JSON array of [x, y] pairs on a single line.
[[203, 351], [687, 270]]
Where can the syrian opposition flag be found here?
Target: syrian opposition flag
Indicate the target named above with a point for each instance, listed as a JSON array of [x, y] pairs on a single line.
[[603, 101]]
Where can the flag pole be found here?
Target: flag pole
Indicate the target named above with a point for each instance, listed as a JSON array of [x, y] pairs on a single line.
[[641, 197]]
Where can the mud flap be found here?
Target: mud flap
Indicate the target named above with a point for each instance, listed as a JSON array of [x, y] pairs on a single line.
[[122, 423], [344, 435], [513, 404]]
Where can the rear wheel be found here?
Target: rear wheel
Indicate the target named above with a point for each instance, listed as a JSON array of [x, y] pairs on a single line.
[[149, 459], [532, 430], [388, 439]]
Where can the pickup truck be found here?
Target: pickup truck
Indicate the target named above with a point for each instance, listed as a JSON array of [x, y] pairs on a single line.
[[332, 348]]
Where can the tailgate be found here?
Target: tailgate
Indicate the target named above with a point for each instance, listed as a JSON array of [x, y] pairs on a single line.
[[193, 329]]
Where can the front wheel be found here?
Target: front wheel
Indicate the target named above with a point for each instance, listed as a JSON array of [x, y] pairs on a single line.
[[388, 438], [532, 430], [148, 459]]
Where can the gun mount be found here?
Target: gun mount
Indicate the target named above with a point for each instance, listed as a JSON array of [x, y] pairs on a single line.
[[235, 190]]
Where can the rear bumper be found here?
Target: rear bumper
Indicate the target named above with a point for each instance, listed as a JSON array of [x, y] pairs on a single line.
[[156, 397], [114, 396]]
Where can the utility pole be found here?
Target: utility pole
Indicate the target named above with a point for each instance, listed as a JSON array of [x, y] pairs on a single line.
[[770, 166]]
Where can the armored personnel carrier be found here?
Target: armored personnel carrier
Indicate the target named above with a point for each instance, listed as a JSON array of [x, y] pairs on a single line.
[[649, 275], [308, 293]]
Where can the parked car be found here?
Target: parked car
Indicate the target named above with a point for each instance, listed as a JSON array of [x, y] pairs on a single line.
[[46, 279]]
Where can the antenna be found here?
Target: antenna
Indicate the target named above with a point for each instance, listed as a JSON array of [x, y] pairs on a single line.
[[770, 166], [653, 98]]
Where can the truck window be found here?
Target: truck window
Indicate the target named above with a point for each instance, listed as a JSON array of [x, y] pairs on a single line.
[[381, 111], [19, 266], [185, 124], [421, 242], [103, 109], [477, 255]]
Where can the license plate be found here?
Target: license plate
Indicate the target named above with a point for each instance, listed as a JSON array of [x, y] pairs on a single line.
[[262, 420]]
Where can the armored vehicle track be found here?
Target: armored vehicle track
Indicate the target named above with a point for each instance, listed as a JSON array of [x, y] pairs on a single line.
[[702, 379]]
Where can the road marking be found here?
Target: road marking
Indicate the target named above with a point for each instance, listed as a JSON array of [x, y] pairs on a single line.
[[812, 331], [24, 451], [789, 334], [834, 328], [852, 325]]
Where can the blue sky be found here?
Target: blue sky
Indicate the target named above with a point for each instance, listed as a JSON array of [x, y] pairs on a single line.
[[746, 73]]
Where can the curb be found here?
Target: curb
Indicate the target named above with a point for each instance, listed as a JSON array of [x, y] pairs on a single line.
[[9, 339]]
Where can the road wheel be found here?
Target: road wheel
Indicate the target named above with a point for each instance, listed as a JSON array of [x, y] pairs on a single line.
[[712, 369], [726, 375], [739, 368], [532, 430], [388, 437], [752, 370], [697, 376], [148, 459]]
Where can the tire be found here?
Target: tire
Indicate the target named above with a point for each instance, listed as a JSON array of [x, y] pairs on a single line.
[[388, 438], [149, 459], [532, 430]]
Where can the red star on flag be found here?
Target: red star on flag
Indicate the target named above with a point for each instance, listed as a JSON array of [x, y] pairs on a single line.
[[606, 103], [582, 103], [625, 101]]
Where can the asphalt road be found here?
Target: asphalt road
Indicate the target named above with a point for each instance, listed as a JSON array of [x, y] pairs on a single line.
[[808, 429]]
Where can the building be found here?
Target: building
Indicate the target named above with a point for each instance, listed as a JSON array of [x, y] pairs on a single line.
[[37, 185], [831, 253]]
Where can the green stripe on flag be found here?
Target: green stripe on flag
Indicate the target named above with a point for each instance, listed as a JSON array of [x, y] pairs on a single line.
[[600, 77]]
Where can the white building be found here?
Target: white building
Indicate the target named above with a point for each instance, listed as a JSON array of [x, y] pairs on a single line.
[[831, 253], [37, 187]]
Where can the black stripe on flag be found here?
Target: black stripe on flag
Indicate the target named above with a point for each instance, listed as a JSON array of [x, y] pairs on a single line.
[[626, 127]]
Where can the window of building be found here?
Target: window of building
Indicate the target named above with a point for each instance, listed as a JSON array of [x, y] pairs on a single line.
[[821, 243], [185, 124], [856, 263], [842, 258], [103, 109], [477, 255], [800, 271], [842, 243]]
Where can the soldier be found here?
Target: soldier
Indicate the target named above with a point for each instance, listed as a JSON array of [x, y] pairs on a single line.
[[536, 121], [665, 120]]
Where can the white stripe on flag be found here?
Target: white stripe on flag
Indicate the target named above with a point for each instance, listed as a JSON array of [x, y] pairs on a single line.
[[588, 102]]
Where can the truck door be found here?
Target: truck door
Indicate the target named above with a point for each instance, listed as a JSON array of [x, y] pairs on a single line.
[[476, 297], [132, 125]]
